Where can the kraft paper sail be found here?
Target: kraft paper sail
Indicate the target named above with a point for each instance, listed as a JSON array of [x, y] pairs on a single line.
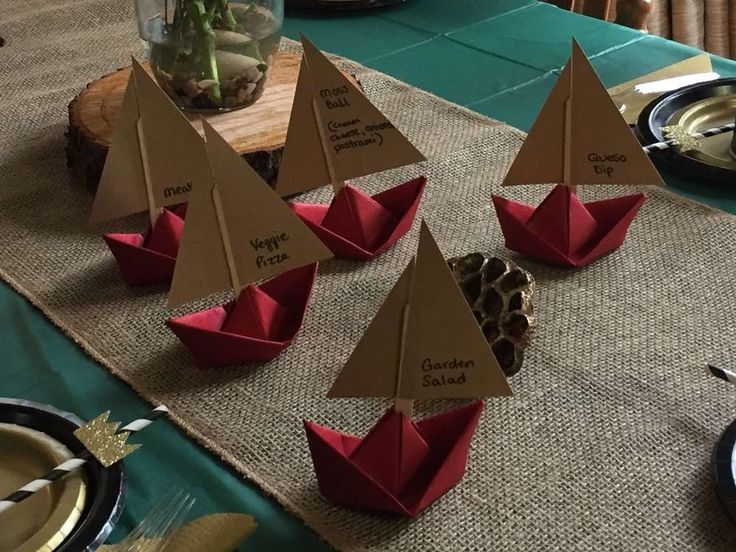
[[579, 138], [154, 159], [424, 343], [239, 231], [155, 155], [335, 134]]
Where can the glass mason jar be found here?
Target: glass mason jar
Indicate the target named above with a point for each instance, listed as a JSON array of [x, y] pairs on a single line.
[[211, 55]]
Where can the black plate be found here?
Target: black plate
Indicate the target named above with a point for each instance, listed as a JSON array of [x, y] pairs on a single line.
[[658, 113], [342, 4], [105, 486], [724, 464]]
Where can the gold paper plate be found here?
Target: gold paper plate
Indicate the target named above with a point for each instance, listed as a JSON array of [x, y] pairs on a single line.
[[705, 114], [631, 103], [41, 522]]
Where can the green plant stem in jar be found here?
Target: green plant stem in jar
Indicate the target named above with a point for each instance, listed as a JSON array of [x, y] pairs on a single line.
[[213, 54]]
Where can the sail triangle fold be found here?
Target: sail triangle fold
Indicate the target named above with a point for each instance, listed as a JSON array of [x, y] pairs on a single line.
[[601, 150], [122, 187], [445, 352], [303, 166], [372, 369], [355, 138], [604, 150], [239, 212], [173, 148], [541, 159], [152, 141]]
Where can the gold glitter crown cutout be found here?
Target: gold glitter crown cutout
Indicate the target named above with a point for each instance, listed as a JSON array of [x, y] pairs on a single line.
[[100, 438], [681, 138]]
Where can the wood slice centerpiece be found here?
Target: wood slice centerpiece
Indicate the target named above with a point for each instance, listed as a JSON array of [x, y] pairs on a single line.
[[257, 132]]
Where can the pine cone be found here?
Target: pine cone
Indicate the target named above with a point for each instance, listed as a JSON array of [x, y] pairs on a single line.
[[500, 296]]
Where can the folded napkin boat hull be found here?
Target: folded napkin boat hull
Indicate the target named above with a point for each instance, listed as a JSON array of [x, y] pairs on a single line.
[[256, 327], [564, 231], [149, 258], [401, 466], [358, 226]]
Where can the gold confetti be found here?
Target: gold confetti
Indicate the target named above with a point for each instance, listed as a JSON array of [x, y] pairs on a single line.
[[681, 137], [99, 437]]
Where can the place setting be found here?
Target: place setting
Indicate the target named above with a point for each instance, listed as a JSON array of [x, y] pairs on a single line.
[[79, 484], [684, 115], [381, 317]]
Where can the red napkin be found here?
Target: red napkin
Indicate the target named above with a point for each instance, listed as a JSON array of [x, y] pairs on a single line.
[[358, 226], [401, 466], [255, 327], [564, 231], [149, 258]]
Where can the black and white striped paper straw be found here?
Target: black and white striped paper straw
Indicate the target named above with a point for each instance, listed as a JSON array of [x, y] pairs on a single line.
[[658, 146], [720, 373], [75, 463]]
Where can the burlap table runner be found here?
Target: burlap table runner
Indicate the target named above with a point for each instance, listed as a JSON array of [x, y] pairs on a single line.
[[606, 443]]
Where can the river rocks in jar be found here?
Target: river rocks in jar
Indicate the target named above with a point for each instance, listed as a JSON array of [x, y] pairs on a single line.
[[204, 101], [204, 84], [163, 75], [258, 20], [241, 82], [226, 39], [231, 65], [228, 84], [244, 89], [500, 295], [190, 88], [252, 74]]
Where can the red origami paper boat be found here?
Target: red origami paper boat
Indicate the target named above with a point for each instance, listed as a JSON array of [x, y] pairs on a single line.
[[401, 466], [149, 258], [255, 327], [359, 226], [565, 231]]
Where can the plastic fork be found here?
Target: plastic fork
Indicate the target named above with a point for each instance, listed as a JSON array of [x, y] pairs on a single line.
[[154, 531]]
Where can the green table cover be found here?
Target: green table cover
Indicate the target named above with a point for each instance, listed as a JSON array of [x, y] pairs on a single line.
[[498, 57]]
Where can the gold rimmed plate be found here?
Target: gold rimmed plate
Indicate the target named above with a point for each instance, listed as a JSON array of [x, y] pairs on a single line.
[[75, 514], [697, 107], [723, 465], [43, 521], [705, 114]]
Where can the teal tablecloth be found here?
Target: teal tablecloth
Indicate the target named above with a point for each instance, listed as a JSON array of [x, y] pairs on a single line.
[[498, 57]]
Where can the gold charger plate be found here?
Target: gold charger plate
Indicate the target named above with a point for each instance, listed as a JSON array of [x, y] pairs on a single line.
[[41, 522], [705, 114]]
